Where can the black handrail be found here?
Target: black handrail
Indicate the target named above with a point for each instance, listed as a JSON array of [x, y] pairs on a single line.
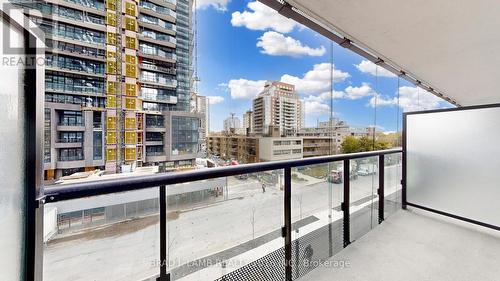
[[63, 192]]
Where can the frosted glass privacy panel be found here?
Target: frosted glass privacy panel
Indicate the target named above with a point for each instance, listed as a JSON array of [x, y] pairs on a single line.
[[12, 156], [453, 162]]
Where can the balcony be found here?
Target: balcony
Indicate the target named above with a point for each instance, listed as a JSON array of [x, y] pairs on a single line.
[[426, 211], [156, 156]]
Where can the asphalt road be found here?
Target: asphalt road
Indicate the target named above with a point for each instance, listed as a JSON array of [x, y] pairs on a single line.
[[248, 214]]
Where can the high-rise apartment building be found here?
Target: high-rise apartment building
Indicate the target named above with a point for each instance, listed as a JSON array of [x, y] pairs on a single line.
[[232, 125], [248, 122], [278, 106], [117, 84], [200, 105]]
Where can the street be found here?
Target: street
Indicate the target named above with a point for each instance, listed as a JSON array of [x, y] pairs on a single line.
[[245, 215]]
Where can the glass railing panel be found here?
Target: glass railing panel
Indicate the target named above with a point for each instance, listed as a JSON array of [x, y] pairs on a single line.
[[317, 220], [392, 183], [107, 237], [226, 228], [363, 203]]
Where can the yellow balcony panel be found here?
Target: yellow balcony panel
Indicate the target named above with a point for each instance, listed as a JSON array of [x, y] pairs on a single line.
[[111, 154], [111, 123], [130, 123], [130, 42], [110, 18], [131, 70], [130, 59], [111, 87], [130, 154], [111, 137], [131, 90], [131, 103], [111, 102], [130, 137], [130, 24], [130, 9], [111, 38], [111, 67]]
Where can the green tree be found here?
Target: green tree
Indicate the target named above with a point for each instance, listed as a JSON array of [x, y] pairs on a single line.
[[350, 145], [353, 144]]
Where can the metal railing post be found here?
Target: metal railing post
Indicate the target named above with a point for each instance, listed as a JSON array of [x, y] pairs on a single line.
[[164, 276], [345, 204], [380, 191], [288, 223]]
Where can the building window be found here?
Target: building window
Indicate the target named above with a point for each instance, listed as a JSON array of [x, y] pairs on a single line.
[[70, 137], [97, 135], [71, 118], [185, 134], [155, 121], [47, 136], [70, 154], [154, 150]]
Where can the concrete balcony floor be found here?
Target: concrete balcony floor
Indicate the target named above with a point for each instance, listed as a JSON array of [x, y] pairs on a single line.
[[418, 245]]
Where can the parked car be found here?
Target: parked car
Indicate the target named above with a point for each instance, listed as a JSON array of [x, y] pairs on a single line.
[[335, 176]]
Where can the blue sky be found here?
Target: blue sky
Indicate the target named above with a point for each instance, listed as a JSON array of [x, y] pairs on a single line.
[[243, 43]]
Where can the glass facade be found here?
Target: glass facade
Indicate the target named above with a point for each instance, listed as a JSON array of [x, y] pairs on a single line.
[[155, 50], [183, 51], [47, 136], [71, 118], [185, 133], [155, 121], [68, 137], [72, 32], [59, 82], [70, 154], [97, 142], [76, 64]]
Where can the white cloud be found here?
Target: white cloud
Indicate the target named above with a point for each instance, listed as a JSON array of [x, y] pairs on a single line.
[[276, 44], [244, 89], [215, 99], [219, 5], [410, 99], [354, 93], [369, 67], [325, 96], [315, 108], [316, 80], [261, 17]]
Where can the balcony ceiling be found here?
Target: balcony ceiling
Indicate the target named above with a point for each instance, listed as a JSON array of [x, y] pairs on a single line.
[[454, 46]]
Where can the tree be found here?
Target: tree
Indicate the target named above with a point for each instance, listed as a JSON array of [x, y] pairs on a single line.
[[353, 144], [350, 145]]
